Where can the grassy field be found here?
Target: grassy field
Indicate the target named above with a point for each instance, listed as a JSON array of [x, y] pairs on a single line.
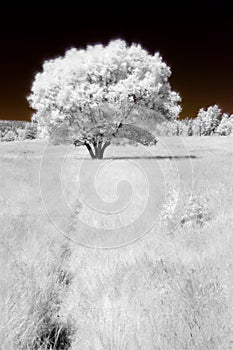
[[130, 252]]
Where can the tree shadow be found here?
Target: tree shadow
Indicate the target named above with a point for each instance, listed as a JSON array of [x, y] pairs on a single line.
[[152, 157], [144, 157]]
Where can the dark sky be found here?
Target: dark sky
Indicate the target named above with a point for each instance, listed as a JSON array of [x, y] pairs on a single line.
[[195, 40]]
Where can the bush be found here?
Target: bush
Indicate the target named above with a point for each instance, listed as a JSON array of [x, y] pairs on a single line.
[[197, 212], [30, 131], [11, 130], [20, 134], [10, 136]]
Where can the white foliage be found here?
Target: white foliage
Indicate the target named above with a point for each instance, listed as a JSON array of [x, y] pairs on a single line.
[[102, 84], [10, 136], [197, 212], [185, 127], [208, 122], [226, 125], [20, 134], [209, 119], [167, 128], [197, 127]]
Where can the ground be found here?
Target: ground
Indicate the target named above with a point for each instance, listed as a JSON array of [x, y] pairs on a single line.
[[136, 247]]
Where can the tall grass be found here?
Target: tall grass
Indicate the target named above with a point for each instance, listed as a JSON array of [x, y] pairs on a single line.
[[163, 292], [167, 291], [35, 278]]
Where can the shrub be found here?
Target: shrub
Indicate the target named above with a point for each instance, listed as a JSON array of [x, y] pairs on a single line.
[[11, 130], [10, 136], [197, 212], [20, 134], [30, 131]]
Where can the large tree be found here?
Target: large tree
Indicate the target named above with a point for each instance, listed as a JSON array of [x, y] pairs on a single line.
[[102, 92]]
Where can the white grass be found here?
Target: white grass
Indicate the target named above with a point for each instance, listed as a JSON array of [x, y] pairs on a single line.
[[165, 291]]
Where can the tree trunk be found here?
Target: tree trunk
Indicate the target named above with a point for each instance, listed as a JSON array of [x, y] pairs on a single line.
[[106, 144], [99, 149], [90, 150], [99, 154]]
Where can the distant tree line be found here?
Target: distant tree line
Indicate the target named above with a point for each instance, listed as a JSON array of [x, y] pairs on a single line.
[[210, 121], [15, 130]]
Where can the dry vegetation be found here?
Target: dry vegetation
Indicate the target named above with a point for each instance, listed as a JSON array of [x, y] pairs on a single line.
[[166, 291]]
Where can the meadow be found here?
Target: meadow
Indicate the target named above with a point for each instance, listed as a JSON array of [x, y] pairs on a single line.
[[156, 274]]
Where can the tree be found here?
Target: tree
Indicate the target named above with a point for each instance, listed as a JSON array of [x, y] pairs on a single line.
[[93, 92], [209, 119], [197, 127], [226, 126]]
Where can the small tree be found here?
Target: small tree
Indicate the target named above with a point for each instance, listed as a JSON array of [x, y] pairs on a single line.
[[94, 92], [226, 126], [209, 119], [197, 127], [190, 127]]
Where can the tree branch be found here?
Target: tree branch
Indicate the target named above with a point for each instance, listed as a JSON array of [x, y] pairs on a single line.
[[99, 145], [106, 144], [90, 150]]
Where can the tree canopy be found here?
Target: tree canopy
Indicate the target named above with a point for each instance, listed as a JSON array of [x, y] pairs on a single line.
[[92, 92]]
